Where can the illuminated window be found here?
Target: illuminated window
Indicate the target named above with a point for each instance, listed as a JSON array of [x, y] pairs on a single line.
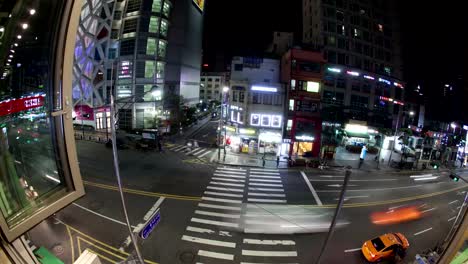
[[149, 69], [162, 48], [255, 120], [153, 25], [289, 125], [133, 5], [160, 66], [129, 26], [380, 27], [313, 87], [166, 9], [266, 120], [156, 7], [164, 27], [151, 46], [291, 104], [293, 84]]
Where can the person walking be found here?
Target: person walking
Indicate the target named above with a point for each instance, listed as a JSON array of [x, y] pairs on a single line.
[[363, 155], [277, 161], [263, 161]]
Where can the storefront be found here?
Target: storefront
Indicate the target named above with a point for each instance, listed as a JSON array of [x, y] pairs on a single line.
[[244, 141], [305, 137], [269, 141], [303, 145]]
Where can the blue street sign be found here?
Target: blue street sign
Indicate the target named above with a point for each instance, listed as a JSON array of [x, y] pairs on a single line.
[[150, 225]]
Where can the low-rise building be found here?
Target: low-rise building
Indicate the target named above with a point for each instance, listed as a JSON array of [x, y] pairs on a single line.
[[211, 86]]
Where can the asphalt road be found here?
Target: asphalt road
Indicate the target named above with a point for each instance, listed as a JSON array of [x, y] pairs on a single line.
[[207, 135], [218, 214]]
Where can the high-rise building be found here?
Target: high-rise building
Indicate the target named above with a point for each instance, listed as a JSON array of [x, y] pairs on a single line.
[[147, 51], [282, 42], [361, 42]]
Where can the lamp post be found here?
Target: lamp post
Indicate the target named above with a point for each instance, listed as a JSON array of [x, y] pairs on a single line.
[[223, 103], [454, 126]]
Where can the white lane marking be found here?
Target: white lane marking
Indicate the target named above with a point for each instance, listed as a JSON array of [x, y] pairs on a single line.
[[192, 151], [265, 200], [217, 255], [265, 177], [312, 190], [451, 219], [229, 176], [225, 194], [352, 250], [330, 176], [221, 200], [428, 210], [230, 172], [204, 154], [198, 152], [420, 232], [265, 189], [266, 194], [266, 185], [426, 179], [235, 216], [253, 169], [200, 230], [101, 215], [263, 180], [223, 207], [264, 173], [372, 190], [376, 180], [259, 253], [231, 169], [341, 185], [269, 242], [209, 241], [211, 222], [452, 202], [421, 176], [398, 206], [228, 180], [225, 189], [227, 184]]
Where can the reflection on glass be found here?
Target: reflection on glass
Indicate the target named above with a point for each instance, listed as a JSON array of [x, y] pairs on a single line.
[[29, 172]]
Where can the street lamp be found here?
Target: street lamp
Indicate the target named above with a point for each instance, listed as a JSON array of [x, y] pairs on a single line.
[[223, 103], [454, 126]]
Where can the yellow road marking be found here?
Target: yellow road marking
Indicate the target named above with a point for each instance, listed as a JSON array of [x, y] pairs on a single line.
[[144, 193], [102, 256], [101, 243], [71, 244]]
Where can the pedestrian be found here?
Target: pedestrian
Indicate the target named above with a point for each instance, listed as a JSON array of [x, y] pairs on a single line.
[[363, 155], [277, 161], [263, 161]]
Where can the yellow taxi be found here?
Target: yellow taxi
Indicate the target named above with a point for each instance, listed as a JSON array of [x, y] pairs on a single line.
[[386, 246]]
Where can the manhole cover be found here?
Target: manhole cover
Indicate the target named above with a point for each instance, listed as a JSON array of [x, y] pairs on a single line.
[[58, 250], [187, 257]]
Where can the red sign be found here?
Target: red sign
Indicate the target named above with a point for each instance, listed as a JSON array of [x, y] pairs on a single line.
[[11, 106]]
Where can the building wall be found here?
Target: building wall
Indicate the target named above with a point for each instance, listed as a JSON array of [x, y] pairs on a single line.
[[281, 43], [255, 70], [184, 52], [211, 86]]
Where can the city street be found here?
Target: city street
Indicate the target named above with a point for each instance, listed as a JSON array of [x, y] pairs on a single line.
[[221, 214]]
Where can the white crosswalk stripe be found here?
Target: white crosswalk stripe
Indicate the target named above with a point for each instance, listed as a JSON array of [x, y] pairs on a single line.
[[209, 241], [230, 172], [265, 177], [263, 180], [216, 223], [227, 184], [266, 185], [228, 180], [265, 189], [266, 194], [221, 200], [225, 189], [258, 200], [217, 255], [222, 207], [236, 216], [204, 154], [224, 194], [229, 176]]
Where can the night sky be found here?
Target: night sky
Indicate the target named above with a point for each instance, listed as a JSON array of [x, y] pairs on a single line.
[[433, 46]]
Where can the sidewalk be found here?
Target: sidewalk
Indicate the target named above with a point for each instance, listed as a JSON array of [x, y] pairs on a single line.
[[345, 158], [249, 160]]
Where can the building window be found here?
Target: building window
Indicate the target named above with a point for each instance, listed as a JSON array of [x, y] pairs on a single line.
[[114, 34], [380, 27], [238, 67], [162, 48], [366, 87], [150, 68], [164, 28], [256, 98], [112, 53], [117, 15], [341, 83], [166, 9], [151, 46], [291, 104], [234, 96], [313, 87], [202, 79], [267, 99], [216, 86], [130, 26], [153, 25], [210, 80], [310, 67], [133, 5], [355, 86], [210, 85], [241, 97], [127, 47], [359, 101], [289, 125], [293, 84], [156, 7], [160, 69]]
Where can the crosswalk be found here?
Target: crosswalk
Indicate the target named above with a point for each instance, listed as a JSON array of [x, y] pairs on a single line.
[[190, 151], [228, 208]]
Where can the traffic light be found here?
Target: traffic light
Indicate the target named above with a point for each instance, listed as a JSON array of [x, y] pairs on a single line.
[[454, 177]]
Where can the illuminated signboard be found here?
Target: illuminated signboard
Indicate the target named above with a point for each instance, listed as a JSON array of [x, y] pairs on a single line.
[[304, 138], [22, 104], [264, 89], [265, 120], [200, 4], [246, 131]]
